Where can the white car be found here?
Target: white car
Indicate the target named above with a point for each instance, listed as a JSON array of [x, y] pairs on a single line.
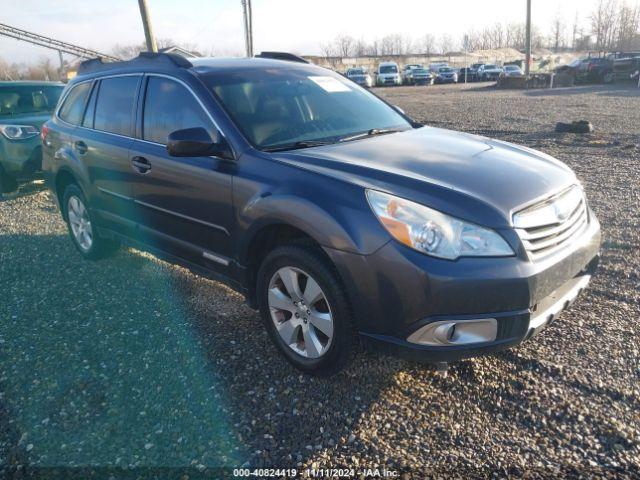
[[388, 73]]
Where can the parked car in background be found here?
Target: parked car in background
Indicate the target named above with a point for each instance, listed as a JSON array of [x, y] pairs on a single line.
[[407, 73], [573, 67], [24, 107], [512, 71], [598, 70], [625, 69], [388, 73], [589, 70], [446, 75], [421, 76], [467, 74], [361, 76], [489, 72], [435, 67], [339, 220]]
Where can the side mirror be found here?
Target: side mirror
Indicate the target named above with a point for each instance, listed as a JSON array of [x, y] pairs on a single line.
[[196, 142]]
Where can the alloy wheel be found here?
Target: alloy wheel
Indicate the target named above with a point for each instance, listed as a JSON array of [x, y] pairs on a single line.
[[80, 223], [300, 312]]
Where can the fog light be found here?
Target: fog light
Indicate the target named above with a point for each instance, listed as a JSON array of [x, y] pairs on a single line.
[[456, 332]]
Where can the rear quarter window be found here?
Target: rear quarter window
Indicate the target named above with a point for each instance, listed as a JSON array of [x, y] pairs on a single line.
[[73, 106]]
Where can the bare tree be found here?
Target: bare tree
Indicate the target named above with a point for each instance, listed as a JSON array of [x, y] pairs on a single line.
[[387, 45], [446, 43], [604, 24], [574, 32], [628, 27], [427, 44], [344, 45], [360, 48], [557, 33]]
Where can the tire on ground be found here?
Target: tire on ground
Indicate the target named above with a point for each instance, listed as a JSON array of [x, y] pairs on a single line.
[[100, 247], [310, 260]]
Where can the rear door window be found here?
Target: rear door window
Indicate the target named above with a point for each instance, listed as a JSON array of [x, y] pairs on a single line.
[[73, 106], [168, 107], [114, 105]]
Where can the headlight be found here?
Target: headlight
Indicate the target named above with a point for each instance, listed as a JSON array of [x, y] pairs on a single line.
[[19, 132], [433, 232]]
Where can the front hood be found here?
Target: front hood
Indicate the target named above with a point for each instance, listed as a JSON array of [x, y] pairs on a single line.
[[471, 177], [29, 119]]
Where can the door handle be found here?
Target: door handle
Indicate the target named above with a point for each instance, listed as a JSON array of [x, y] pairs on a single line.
[[141, 165], [80, 147]]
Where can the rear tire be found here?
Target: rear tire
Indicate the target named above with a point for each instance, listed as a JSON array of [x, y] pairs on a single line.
[[82, 228], [305, 309]]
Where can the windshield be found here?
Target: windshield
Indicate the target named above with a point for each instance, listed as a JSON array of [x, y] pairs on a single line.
[[446, 70], [388, 69], [356, 71], [490, 67], [511, 67], [279, 107], [25, 99]]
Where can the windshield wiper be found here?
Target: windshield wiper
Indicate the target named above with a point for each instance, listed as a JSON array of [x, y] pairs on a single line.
[[296, 145], [370, 133]]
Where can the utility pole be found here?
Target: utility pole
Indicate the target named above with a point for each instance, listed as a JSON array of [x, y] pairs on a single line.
[[61, 70], [250, 10], [248, 24], [527, 46], [146, 23]]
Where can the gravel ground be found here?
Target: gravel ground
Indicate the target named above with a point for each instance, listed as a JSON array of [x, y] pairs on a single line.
[[134, 364]]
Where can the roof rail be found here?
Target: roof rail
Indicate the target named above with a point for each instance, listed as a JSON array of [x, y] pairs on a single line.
[[289, 57], [148, 59]]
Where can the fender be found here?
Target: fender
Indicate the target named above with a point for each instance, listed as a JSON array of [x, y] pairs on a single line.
[[331, 226], [64, 161]]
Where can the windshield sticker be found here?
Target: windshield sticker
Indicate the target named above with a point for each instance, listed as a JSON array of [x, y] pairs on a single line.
[[330, 84]]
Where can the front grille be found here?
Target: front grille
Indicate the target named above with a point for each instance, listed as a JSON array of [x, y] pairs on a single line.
[[552, 224]]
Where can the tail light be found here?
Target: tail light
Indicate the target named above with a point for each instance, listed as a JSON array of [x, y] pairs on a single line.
[[44, 131]]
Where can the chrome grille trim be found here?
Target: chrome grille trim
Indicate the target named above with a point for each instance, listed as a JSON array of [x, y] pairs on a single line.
[[556, 226]]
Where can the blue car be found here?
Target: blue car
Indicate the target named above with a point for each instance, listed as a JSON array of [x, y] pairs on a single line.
[[24, 107], [337, 216]]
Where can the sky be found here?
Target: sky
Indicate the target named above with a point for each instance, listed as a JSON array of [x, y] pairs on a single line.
[[298, 26]]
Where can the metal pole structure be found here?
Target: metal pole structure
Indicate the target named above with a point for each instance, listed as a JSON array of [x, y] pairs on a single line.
[[148, 30], [61, 71], [250, 11], [466, 61], [246, 13], [528, 41], [52, 43]]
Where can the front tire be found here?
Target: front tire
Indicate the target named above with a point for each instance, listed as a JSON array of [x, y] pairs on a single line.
[[305, 309], [82, 228]]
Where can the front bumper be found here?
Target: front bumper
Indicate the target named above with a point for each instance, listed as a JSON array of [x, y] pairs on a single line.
[[397, 291], [21, 158], [423, 80]]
